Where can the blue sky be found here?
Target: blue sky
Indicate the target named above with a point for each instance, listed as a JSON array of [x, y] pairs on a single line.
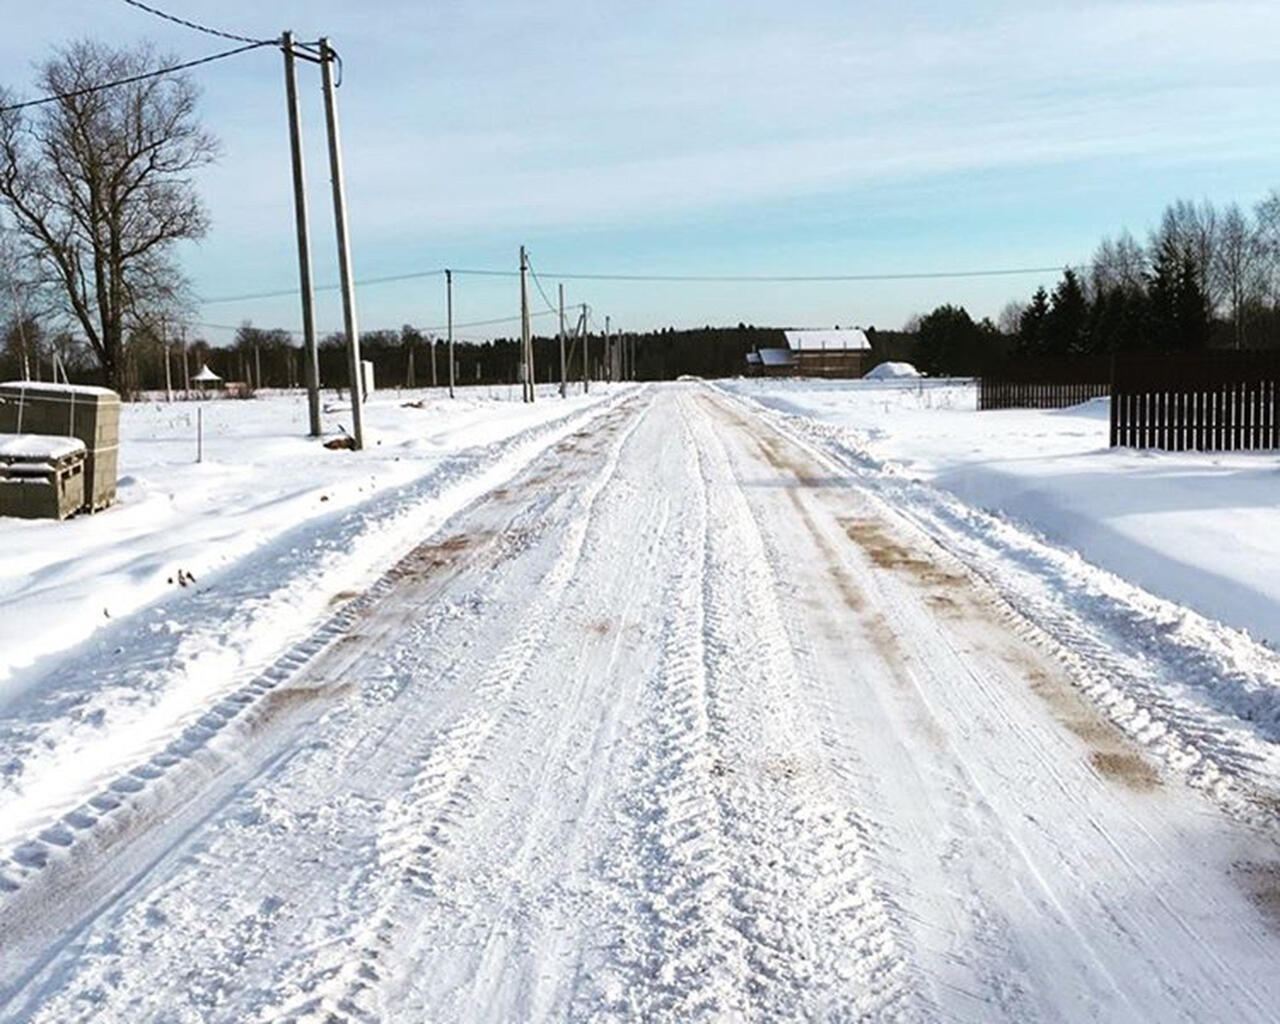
[[710, 137]]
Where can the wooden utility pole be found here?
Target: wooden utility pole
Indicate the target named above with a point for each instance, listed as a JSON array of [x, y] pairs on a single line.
[[312, 353], [186, 367], [586, 349], [327, 58], [526, 336], [21, 312], [608, 353], [434, 379], [448, 290], [168, 371], [564, 376]]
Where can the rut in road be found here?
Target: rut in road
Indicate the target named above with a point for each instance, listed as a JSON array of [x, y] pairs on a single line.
[[682, 725]]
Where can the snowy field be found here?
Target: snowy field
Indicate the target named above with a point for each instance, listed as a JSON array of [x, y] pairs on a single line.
[[1201, 530], [694, 703]]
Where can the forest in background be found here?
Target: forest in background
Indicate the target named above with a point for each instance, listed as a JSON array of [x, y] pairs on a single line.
[[1205, 277]]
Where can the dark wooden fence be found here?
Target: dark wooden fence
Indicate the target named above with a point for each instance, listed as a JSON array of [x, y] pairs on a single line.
[[1043, 383], [1203, 401]]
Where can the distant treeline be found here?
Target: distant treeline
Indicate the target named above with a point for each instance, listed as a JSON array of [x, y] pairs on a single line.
[[272, 358], [1206, 277]]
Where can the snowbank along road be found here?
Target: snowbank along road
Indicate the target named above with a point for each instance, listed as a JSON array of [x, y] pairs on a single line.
[[681, 724]]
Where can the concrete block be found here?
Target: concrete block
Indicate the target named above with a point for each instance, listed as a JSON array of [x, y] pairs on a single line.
[[70, 410]]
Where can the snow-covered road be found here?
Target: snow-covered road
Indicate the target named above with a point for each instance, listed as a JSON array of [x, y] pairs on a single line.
[[683, 723]]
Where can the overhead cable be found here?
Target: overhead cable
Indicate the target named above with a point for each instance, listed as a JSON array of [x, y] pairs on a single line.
[[158, 73], [431, 327], [538, 284], [806, 278], [677, 278], [285, 292], [194, 24]]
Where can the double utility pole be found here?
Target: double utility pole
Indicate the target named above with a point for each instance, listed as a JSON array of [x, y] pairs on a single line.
[[326, 58]]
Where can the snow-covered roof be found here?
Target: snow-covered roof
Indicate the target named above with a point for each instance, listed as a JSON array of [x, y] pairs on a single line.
[[49, 386], [753, 358], [38, 446], [815, 341], [776, 357], [206, 374]]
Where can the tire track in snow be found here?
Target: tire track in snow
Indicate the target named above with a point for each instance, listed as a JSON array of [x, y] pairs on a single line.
[[819, 927], [194, 782], [678, 957], [905, 579], [1186, 688], [141, 679], [349, 984]]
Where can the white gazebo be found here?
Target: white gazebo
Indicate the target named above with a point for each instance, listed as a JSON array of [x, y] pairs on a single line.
[[206, 379]]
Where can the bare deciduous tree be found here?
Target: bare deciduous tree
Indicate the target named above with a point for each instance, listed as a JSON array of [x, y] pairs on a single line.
[[1120, 264], [1194, 229], [98, 185], [1010, 318], [1267, 227], [1239, 267]]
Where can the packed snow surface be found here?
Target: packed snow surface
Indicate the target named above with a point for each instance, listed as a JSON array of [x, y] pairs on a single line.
[[114, 626], [699, 711]]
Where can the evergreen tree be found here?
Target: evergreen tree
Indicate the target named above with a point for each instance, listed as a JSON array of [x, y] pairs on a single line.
[[951, 343], [1116, 320], [1066, 326], [1031, 325], [1178, 312]]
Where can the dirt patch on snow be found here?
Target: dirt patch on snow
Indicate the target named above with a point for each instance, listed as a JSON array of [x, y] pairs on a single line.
[[1261, 882], [1111, 753], [952, 595], [429, 558], [286, 700], [1128, 769], [887, 553]]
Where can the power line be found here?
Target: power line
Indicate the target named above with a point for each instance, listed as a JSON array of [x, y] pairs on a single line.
[[430, 327], [285, 292], [193, 24], [489, 323], [811, 278], [538, 284], [680, 278], [158, 73]]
